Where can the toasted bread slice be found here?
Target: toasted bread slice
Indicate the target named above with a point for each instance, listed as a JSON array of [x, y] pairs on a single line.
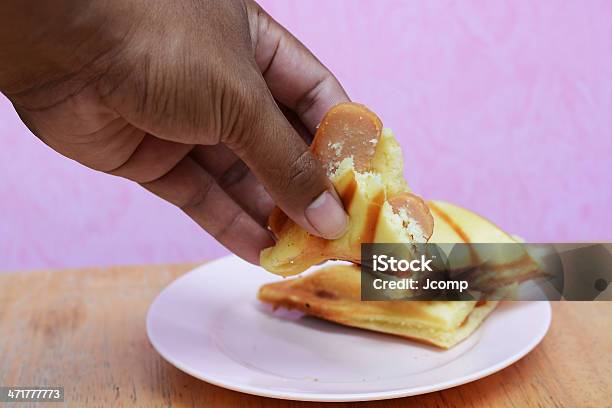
[[333, 293], [505, 264]]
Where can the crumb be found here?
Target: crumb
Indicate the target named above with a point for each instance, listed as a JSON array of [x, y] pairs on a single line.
[[337, 147]]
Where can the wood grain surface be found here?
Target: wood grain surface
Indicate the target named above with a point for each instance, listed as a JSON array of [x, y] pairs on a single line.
[[85, 330]]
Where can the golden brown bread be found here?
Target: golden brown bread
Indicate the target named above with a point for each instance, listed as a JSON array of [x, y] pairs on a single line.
[[333, 293], [507, 264]]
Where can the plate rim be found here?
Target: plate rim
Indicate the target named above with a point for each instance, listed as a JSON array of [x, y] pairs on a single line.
[[346, 397]]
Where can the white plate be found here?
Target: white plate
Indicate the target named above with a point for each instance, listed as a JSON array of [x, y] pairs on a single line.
[[209, 324]]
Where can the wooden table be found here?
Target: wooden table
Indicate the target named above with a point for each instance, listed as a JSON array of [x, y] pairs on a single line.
[[85, 330]]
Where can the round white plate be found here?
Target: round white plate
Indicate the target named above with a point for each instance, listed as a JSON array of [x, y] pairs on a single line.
[[210, 324]]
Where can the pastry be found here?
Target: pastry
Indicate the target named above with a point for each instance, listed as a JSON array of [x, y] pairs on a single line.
[[365, 164], [334, 293]]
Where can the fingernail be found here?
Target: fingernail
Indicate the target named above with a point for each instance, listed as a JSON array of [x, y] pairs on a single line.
[[327, 216]]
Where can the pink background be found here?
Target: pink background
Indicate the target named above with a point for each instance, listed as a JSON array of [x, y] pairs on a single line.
[[503, 107]]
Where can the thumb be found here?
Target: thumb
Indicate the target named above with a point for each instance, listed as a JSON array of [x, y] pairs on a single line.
[[284, 164]]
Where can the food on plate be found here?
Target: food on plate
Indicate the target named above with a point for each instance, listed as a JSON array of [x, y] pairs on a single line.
[[334, 293], [365, 164]]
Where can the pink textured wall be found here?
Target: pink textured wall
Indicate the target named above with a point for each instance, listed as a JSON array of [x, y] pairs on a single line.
[[502, 106]]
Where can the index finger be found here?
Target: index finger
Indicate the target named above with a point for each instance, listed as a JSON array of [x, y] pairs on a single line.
[[295, 77]]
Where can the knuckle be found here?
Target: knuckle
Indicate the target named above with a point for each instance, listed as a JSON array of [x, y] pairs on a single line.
[[231, 117], [304, 173], [305, 102], [225, 232], [167, 94], [233, 176], [198, 195], [240, 105]]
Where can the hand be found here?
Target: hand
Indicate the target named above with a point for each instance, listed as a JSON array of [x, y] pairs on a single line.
[[201, 102]]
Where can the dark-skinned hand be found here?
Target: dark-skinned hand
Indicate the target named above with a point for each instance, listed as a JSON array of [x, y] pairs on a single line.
[[207, 104]]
